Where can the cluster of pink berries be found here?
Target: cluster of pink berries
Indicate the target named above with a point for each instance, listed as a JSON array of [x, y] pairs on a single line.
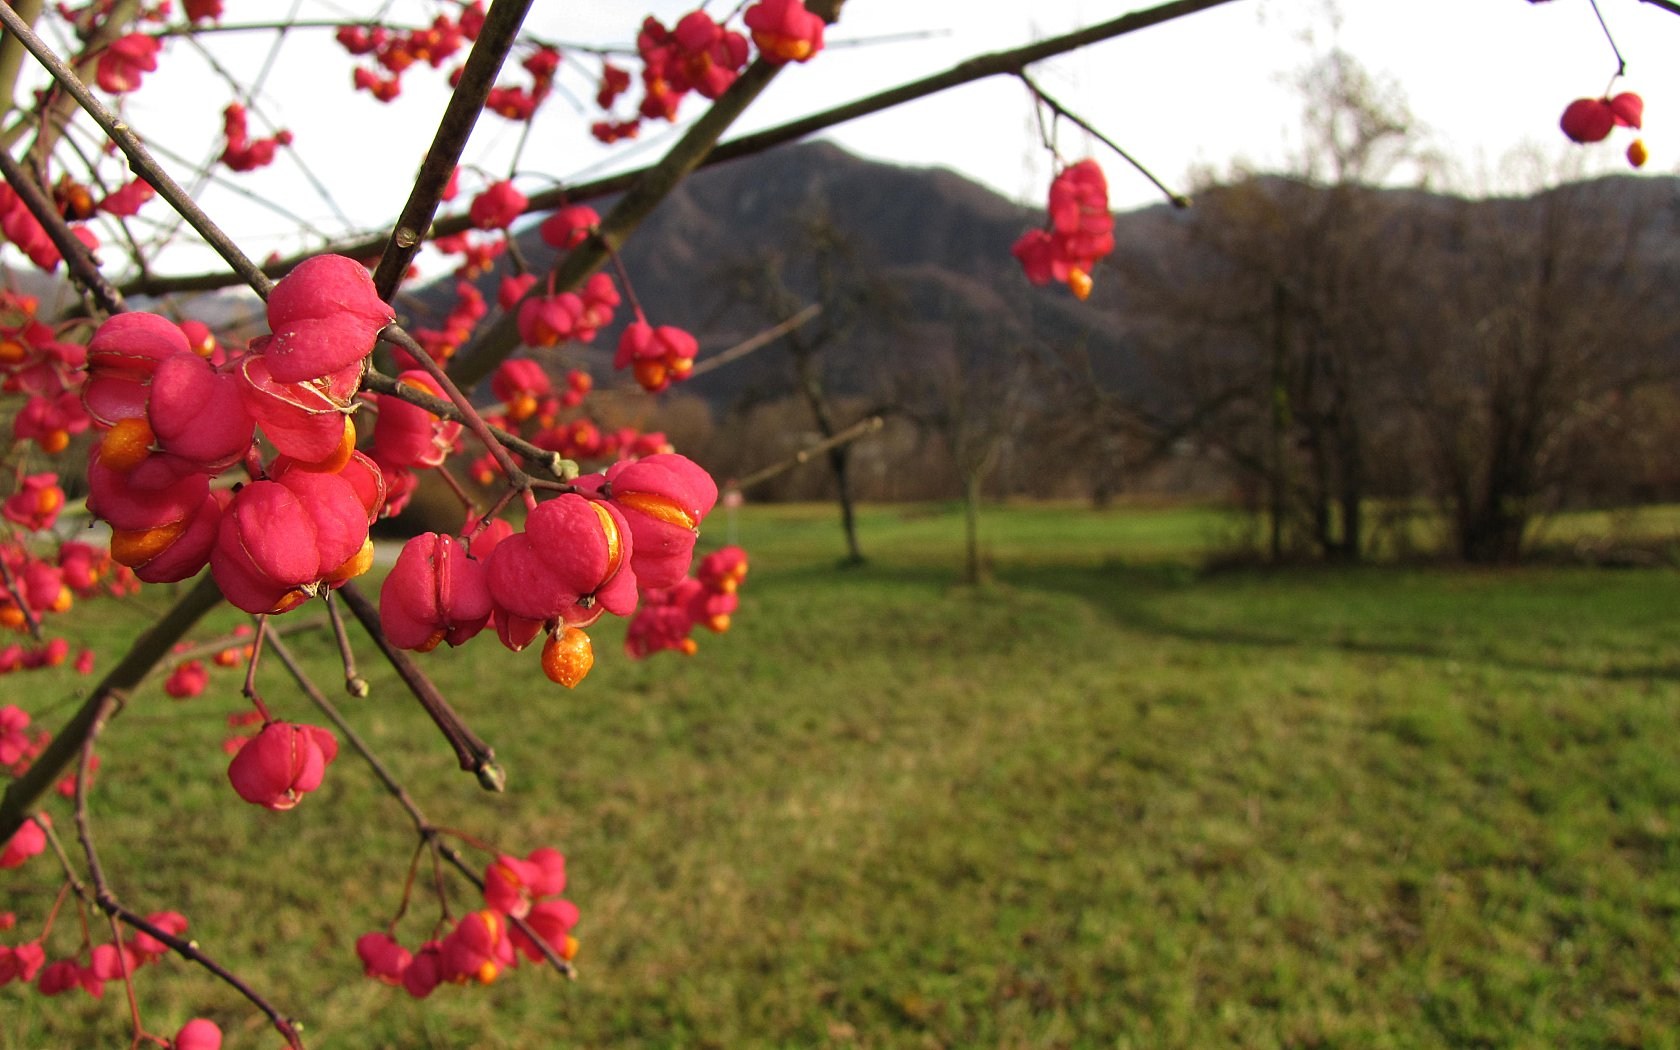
[[1080, 231], [40, 577], [596, 550], [1588, 120], [657, 356], [703, 56], [242, 152], [487, 942], [26, 963], [666, 619], [697, 55], [170, 411], [394, 51], [171, 420]]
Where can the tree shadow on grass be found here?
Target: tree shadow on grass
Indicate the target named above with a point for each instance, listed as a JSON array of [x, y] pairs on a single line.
[[1135, 596]]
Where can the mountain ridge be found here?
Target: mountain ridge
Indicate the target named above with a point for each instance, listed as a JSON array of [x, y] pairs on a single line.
[[940, 239]]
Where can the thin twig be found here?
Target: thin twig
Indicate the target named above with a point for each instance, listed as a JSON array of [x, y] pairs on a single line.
[[473, 754], [1177, 199], [1621, 63], [84, 830], [756, 342], [248, 96], [30, 621], [249, 690], [96, 872], [468, 505], [428, 831], [53, 114], [624, 280], [354, 684], [211, 176], [240, 641], [466, 102], [138, 158], [127, 970], [861, 428]]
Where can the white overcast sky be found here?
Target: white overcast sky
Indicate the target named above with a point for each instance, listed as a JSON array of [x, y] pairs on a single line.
[[1486, 78]]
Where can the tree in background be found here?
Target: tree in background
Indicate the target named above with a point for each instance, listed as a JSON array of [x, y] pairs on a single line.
[[817, 256], [1265, 322], [975, 400], [1522, 339], [1340, 344]]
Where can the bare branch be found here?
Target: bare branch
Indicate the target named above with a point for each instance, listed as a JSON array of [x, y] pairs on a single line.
[[862, 428], [474, 755], [756, 342], [501, 27], [1178, 200], [1002, 63], [138, 157]]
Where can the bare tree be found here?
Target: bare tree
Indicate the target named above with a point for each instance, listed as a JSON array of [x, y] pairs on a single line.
[[820, 263], [1337, 343], [1524, 342], [974, 396], [1263, 324]]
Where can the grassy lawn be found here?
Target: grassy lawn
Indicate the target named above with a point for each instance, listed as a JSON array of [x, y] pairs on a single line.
[[1110, 801]]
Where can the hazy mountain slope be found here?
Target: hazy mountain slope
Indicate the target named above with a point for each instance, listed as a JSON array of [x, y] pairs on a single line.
[[939, 241]]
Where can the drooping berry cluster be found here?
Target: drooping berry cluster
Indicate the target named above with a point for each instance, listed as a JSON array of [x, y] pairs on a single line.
[[1080, 231], [485, 943], [242, 152], [98, 965], [1588, 120], [595, 550], [666, 619], [171, 421], [394, 51]]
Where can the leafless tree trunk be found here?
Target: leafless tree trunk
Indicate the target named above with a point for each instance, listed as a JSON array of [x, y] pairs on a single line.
[[1537, 329], [820, 257]]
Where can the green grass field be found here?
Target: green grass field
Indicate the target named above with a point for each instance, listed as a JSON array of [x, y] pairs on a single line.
[[1109, 801]]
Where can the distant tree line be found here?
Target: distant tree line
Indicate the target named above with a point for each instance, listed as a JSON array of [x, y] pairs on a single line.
[[1341, 349]]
